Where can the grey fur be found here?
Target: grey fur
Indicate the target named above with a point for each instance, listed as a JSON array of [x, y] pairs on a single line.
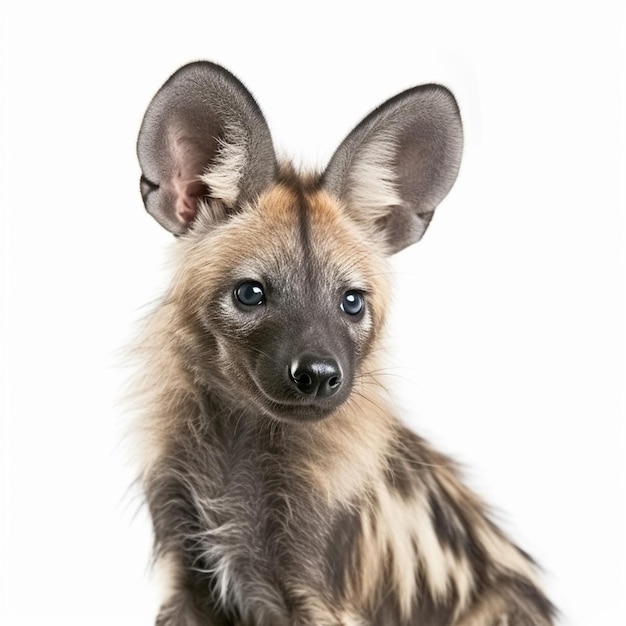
[[274, 504]]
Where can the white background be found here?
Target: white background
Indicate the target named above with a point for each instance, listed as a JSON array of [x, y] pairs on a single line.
[[507, 339]]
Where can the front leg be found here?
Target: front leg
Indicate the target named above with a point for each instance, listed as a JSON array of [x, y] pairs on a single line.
[[189, 601], [181, 609], [512, 602]]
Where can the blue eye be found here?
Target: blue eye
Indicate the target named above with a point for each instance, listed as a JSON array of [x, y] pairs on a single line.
[[352, 302], [250, 293]]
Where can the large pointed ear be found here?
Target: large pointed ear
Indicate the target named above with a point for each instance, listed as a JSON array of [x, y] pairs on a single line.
[[399, 163], [203, 136]]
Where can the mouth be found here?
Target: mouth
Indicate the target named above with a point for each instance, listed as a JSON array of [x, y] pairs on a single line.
[[307, 388], [297, 409], [299, 413]]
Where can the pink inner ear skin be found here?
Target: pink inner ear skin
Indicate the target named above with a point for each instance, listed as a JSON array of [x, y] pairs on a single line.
[[187, 195], [189, 156]]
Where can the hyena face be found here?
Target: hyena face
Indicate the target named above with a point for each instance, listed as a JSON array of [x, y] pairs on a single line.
[[280, 291], [290, 316]]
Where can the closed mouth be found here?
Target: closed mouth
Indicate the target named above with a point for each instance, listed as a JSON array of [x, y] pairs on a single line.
[[300, 412], [296, 408], [282, 400]]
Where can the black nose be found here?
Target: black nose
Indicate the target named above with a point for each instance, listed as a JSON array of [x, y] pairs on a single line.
[[316, 376]]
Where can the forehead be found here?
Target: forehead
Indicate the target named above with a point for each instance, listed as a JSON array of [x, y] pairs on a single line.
[[295, 238], [297, 232]]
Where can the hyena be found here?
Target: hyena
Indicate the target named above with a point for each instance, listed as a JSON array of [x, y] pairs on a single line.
[[282, 487]]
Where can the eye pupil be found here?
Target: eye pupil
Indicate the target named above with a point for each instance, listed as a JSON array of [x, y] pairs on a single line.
[[250, 293], [352, 302]]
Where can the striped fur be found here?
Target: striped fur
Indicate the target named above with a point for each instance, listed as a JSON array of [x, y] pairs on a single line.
[[277, 509]]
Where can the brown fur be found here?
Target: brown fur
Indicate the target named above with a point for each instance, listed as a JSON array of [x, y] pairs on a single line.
[[274, 509]]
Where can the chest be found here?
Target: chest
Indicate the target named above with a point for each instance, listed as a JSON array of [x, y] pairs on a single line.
[[260, 533]]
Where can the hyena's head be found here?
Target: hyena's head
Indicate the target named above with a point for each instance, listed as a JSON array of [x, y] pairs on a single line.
[[281, 287]]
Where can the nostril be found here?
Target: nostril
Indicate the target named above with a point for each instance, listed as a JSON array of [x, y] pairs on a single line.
[[301, 377], [316, 376], [304, 380]]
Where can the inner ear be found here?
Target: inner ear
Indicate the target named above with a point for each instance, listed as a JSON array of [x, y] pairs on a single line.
[[191, 155], [188, 194], [176, 146], [399, 227]]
